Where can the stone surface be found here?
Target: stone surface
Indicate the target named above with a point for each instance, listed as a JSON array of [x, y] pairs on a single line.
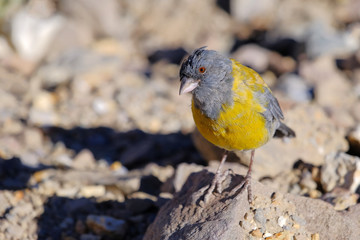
[[227, 217]]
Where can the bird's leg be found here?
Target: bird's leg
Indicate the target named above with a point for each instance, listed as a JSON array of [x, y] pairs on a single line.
[[218, 179], [246, 182]]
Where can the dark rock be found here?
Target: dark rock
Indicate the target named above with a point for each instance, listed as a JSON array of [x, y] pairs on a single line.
[[105, 225]]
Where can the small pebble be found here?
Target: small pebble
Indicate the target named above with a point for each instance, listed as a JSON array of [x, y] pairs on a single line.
[[106, 225], [19, 195], [282, 221], [92, 191], [315, 236], [296, 226], [256, 233], [259, 216], [266, 234], [298, 220]]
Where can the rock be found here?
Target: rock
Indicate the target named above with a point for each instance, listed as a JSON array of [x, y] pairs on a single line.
[[33, 39], [68, 192], [49, 187], [342, 170], [92, 191], [253, 56], [103, 106], [105, 225], [308, 182], [4, 204], [41, 118], [323, 70], [128, 185], [8, 104], [330, 87], [323, 40], [118, 168], [182, 173], [84, 160], [294, 88], [282, 64], [258, 14], [226, 217], [42, 175], [44, 101], [5, 49], [15, 231], [30, 159], [61, 156], [34, 139], [12, 127], [162, 173], [341, 198]]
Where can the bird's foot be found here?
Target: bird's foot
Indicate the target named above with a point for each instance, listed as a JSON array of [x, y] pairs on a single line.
[[216, 185], [241, 187]]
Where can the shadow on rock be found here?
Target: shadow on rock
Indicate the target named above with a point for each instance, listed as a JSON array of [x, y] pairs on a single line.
[[133, 149], [14, 175], [84, 218]]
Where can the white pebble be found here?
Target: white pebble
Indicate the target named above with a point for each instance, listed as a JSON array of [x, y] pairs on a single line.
[[267, 234], [281, 221]]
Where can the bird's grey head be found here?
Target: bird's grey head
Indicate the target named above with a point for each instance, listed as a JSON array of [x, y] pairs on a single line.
[[207, 75], [204, 69]]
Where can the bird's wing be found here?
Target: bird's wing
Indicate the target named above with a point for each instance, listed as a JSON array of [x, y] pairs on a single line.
[[271, 104], [248, 78]]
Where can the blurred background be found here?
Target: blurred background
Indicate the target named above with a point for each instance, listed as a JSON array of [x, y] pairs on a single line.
[[94, 135]]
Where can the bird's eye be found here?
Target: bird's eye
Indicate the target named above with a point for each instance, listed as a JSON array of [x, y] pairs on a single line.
[[202, 69]]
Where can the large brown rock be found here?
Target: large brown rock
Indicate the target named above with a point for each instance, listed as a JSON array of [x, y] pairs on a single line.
[[272, 215]]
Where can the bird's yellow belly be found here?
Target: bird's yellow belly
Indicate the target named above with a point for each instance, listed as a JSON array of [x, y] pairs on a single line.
[[237, 128]]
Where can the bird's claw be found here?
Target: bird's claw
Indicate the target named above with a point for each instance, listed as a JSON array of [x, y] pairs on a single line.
[[216, 185], [244, 184]]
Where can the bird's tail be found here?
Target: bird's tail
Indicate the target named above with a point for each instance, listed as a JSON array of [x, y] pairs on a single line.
[[284, 131]]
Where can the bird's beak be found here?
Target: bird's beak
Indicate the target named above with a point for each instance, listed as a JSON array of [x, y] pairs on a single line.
[[188, 84]]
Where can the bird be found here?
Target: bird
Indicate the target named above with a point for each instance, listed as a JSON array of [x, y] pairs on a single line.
[[232, 107]]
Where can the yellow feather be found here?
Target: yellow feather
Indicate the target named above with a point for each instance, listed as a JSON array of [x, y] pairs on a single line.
[[240, 126]]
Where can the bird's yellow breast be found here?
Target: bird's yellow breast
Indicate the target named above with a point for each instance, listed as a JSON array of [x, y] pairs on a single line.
[[239, 126]]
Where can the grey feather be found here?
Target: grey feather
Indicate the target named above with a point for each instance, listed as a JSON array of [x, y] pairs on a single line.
[[215, 86], [284, 131], [274, 115]]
